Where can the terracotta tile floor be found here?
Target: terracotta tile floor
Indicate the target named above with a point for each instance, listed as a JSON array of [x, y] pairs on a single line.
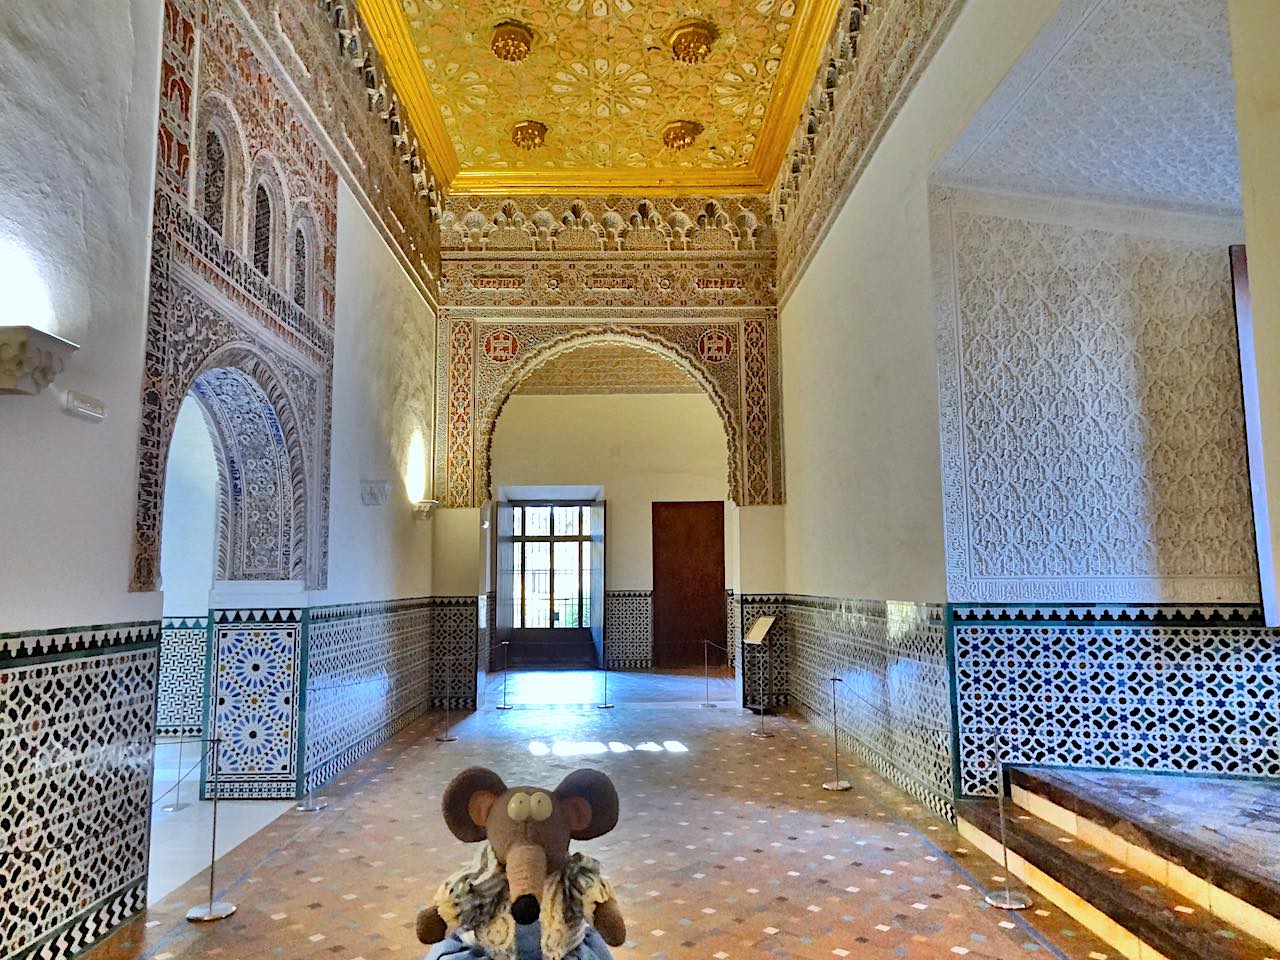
[[727, 848]]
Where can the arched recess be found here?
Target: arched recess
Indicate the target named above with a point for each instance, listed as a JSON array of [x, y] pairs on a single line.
[[527, 363], [217, 116], [262, 489], [303, 254], [267, 178]]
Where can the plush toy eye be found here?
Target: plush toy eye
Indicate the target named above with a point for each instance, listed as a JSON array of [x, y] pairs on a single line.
[[540, 806], [518, 807]]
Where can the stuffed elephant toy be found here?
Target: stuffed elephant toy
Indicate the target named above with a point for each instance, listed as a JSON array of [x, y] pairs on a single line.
[[524, 896]]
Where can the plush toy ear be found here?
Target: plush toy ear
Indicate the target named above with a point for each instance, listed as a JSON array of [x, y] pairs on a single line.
[[468, 800], [590, 803]]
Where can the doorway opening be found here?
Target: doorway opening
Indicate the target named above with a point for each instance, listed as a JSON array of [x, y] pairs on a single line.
[[195, 522], [551, 580], [645, 433]]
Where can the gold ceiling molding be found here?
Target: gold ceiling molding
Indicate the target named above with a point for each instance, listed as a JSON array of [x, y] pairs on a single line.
[[754, 111]]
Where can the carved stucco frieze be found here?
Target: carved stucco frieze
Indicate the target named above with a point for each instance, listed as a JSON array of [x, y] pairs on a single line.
[[876, 52]]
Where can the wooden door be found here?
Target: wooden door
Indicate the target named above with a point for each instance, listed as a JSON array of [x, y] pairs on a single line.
[[688, 583]]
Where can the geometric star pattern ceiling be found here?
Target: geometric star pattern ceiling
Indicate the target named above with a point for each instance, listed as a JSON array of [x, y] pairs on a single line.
[[601, 76]]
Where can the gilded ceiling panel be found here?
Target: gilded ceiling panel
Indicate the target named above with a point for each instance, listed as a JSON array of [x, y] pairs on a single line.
[[601, 75]]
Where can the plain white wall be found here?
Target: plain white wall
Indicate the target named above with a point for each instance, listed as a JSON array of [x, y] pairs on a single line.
[[641, 447], [79, 96], [188, 539], [383, 385], [863, 516]]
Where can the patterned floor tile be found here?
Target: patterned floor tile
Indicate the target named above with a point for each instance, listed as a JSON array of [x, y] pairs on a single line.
[[727, 848]]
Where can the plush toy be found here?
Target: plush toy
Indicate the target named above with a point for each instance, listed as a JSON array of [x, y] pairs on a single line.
[[523, 874]]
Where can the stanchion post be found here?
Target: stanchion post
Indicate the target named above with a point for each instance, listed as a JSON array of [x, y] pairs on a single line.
[[447, 736], [1006, 899], [604, 704], [836, 784], [214, 909], [506, 668], [177, 799], [706, 673], [762, 733]]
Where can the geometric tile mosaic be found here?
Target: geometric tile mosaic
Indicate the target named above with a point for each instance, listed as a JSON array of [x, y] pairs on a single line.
[[628, 629], [75, 786], [180, 702], [770, 657], [367, 668], [454, 649], [1171, 688], [894, 699], [254, 679]]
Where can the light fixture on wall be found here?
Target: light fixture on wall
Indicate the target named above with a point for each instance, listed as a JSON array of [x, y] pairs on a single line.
[[30, 359]]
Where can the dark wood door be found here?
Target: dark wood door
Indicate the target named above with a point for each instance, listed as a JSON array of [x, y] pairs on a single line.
[[688, 583]]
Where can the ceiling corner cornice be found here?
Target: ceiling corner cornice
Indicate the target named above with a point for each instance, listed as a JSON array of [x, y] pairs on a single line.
[[386, 23]]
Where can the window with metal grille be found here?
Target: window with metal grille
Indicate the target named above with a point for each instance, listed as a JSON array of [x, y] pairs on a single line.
[[215, 182], [552, 566], [300, 268], [262, 231]]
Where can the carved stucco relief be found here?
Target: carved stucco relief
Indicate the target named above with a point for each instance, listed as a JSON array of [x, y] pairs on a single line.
[[1092, 430]]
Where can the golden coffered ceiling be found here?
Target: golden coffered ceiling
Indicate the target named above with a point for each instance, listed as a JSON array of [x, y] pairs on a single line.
[[607, 368], [601, 76]]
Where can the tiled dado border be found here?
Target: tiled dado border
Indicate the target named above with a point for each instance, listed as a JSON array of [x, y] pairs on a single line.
[[287, 689], [353, 650], [183, 642], [893, 703], [628, 629], [82, 865], [1179, 688]]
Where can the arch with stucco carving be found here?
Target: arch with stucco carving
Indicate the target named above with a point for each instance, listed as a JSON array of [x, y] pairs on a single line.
[[523, 366], [263, 492]]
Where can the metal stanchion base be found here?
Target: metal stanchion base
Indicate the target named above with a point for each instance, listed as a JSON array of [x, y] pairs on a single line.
[[175, 807], [311, 806], [604, 706], [761, 734], [709, 705], [206, 912], [837, 785], [1008, 900], [446, 738], [506, 706]]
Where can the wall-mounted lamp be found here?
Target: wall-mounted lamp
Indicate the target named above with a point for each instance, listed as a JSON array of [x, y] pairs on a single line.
[[30, 359], [422, 509]]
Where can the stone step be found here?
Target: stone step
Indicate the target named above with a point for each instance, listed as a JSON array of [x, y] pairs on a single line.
[[1134, 819], [1141, 919]]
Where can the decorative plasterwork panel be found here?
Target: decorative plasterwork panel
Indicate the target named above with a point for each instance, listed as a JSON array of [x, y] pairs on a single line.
[[600, 74], [608, 368], [319, 51], [873, 56], [212, 310], [1141, 103], [1089, 388], [527, 281], [607, 224]]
